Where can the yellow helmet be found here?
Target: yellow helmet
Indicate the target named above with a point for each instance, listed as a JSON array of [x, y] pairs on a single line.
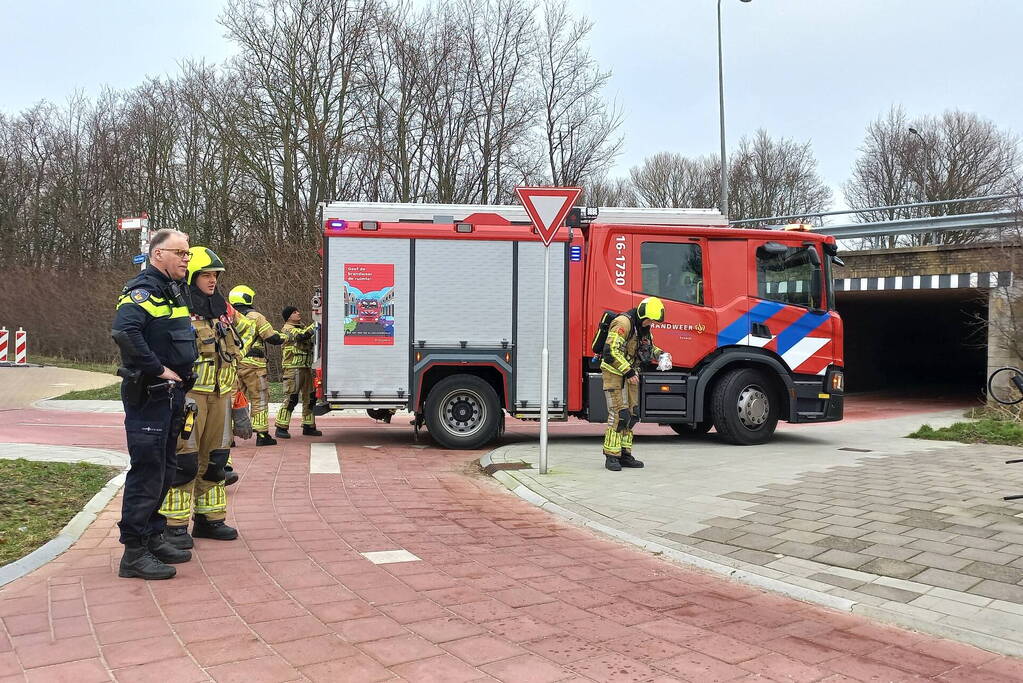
[[203, 260], [651, 308], [241, 295]]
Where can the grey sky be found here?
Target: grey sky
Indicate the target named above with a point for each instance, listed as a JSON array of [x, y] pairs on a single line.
[[806, 69]]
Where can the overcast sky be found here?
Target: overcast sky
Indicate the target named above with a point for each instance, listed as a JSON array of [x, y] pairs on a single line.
[[815, 70]]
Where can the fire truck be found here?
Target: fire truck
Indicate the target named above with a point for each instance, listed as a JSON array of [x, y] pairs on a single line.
[[750, 318], [369, 311]]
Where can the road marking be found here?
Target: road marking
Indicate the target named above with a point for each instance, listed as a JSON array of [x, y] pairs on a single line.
[[323, 459], [54, 424], [390, 556]]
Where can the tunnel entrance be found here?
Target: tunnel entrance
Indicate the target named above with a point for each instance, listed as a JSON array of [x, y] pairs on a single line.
[[909, 342]]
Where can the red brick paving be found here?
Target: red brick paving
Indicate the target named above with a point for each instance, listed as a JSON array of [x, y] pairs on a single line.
[[503, 591]]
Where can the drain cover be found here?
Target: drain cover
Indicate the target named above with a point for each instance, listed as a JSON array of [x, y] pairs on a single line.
[[857, 450]]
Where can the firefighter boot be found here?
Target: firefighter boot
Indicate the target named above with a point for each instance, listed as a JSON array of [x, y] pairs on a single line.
[[612, 462], [213, 528], [282, 433], [230, 477], [167, 553], [626, 460], [264, 439], [311, 430], [138, 562], [178, 537]]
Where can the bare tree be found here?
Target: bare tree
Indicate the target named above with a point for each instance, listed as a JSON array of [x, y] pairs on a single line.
[[667, 179], [952, 156]]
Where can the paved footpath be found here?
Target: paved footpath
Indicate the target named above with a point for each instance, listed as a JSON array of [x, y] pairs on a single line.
[[501, 590]]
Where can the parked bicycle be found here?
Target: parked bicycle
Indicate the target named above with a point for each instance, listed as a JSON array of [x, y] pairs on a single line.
[[1005, 385]]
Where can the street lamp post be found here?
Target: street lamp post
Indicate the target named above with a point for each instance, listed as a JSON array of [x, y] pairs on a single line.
[[721, 109]]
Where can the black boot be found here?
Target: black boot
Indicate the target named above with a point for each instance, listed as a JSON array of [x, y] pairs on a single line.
[[213, 528], [282, 433], [178, 537], [167, 553], [264, 439], [311, 430], [230, 477], [626, 460], [611, 462], [138, 562]]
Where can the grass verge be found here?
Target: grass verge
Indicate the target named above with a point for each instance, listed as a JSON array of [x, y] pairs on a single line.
[[985, 430], [38, 498], [58, 362], [113, 393]]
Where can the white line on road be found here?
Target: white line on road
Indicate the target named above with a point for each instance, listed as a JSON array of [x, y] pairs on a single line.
[[323, 459]]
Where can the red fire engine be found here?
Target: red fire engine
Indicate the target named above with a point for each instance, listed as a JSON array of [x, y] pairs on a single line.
[[750, 321], [369, 311]]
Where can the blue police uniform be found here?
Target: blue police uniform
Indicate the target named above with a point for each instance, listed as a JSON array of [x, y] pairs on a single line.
[[153, 330]]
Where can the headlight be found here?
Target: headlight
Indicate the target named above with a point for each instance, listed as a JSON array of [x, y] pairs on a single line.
[[837, 382]]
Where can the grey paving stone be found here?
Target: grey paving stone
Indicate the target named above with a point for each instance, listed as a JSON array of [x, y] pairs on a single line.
[[934, 547], [847, 544], [995, 572], [988, 556], [896, 569], [763, 518], [755, 542], [926, 514], [982, 544], [1012, 549], [805, 514], [882, 538], [888, 592], [722, 522], [890, 551], [882, 516], [934, 524], [946, 562], [944, 579], [753, 556], [847, 511], [1009, 537], [739, 495], [844, 520], [834, 580], [761, 529], [999, 591], [887, 527], [843, 531], [769, 509], [800, 536], [804, 505], [930, 535], [708, 546], [802, 524], [970, 530], [717, 534], [805, 551], [841, 558]]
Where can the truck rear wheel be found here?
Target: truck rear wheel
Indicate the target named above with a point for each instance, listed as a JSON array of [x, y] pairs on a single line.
[[463, 412], [744, 407]]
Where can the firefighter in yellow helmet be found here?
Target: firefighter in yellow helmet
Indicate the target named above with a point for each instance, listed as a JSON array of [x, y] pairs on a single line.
[[252, 365], [297, 363], [629, 344], [198, 483]]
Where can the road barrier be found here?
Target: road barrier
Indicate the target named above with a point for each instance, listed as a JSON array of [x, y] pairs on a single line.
[[21, 347], [4, 335]]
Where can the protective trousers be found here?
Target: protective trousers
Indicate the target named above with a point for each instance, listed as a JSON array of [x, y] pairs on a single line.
[[254, 383], [622, 416], [199, 479], [298, 387], [151, 429]]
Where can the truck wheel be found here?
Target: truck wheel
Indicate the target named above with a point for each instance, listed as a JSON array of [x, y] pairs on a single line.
[[744, 407], [687, 429], [463, 412]]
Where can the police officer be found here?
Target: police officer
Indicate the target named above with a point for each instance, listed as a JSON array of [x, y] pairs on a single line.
[[157, 344], [198, 485], [629, 344], [252, 364], [298, 375]]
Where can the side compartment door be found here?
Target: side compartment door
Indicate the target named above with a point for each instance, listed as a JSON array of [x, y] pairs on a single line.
[[786, 282]]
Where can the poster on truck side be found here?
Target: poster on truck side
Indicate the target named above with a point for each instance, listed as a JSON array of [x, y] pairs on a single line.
[[369, 304]]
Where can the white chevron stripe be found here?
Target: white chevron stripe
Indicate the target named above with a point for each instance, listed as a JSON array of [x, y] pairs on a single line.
[[750, 340], [803, 349]]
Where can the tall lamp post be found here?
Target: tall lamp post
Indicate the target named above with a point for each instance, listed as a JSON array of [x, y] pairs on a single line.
[[721, 96]]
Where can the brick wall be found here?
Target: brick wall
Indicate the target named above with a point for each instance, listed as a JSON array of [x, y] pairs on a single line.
[[937, 260]]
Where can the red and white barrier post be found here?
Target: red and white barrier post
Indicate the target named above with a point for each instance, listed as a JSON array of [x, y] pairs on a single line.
[[21, 347], [4, 335]]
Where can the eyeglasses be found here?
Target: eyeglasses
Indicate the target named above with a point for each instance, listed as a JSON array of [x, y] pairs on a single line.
[[180, 253]]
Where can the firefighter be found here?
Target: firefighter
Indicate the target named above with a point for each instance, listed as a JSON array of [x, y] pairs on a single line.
[[203, 451], [157, 351], [298, 375], [629, 344], [252, 366]]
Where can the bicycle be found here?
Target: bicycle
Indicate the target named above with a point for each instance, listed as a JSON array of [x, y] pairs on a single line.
[[1005, 385]]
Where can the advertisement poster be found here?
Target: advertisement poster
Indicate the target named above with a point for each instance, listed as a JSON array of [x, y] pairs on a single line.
[[369, 304]]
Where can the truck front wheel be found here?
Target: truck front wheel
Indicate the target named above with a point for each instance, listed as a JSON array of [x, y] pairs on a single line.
[[744, 407], [463, 412]]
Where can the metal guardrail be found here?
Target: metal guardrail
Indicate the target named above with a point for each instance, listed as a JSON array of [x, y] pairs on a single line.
[[873, 209], [914, 226]]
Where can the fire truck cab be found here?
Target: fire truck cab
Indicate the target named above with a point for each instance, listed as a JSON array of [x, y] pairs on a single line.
[[749, 320]]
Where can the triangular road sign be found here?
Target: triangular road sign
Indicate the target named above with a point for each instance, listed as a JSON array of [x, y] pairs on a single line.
[[547, 207]]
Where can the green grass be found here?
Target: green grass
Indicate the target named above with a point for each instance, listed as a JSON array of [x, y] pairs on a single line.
[[56, 361], [113, 393], [38, 498], [985, 430]]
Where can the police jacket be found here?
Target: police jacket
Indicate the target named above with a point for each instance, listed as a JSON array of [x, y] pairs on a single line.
[[151, 325]]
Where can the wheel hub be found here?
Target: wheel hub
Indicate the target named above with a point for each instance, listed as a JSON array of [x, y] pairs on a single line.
[[463, 412], [754, 407]]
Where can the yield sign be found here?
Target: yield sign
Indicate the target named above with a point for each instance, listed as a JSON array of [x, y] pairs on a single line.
[[547, 207]]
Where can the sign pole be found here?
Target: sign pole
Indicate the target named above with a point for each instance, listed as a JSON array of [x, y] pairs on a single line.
[[545, 369]]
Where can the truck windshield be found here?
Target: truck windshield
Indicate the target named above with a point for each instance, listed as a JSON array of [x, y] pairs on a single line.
[[787, 277]]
